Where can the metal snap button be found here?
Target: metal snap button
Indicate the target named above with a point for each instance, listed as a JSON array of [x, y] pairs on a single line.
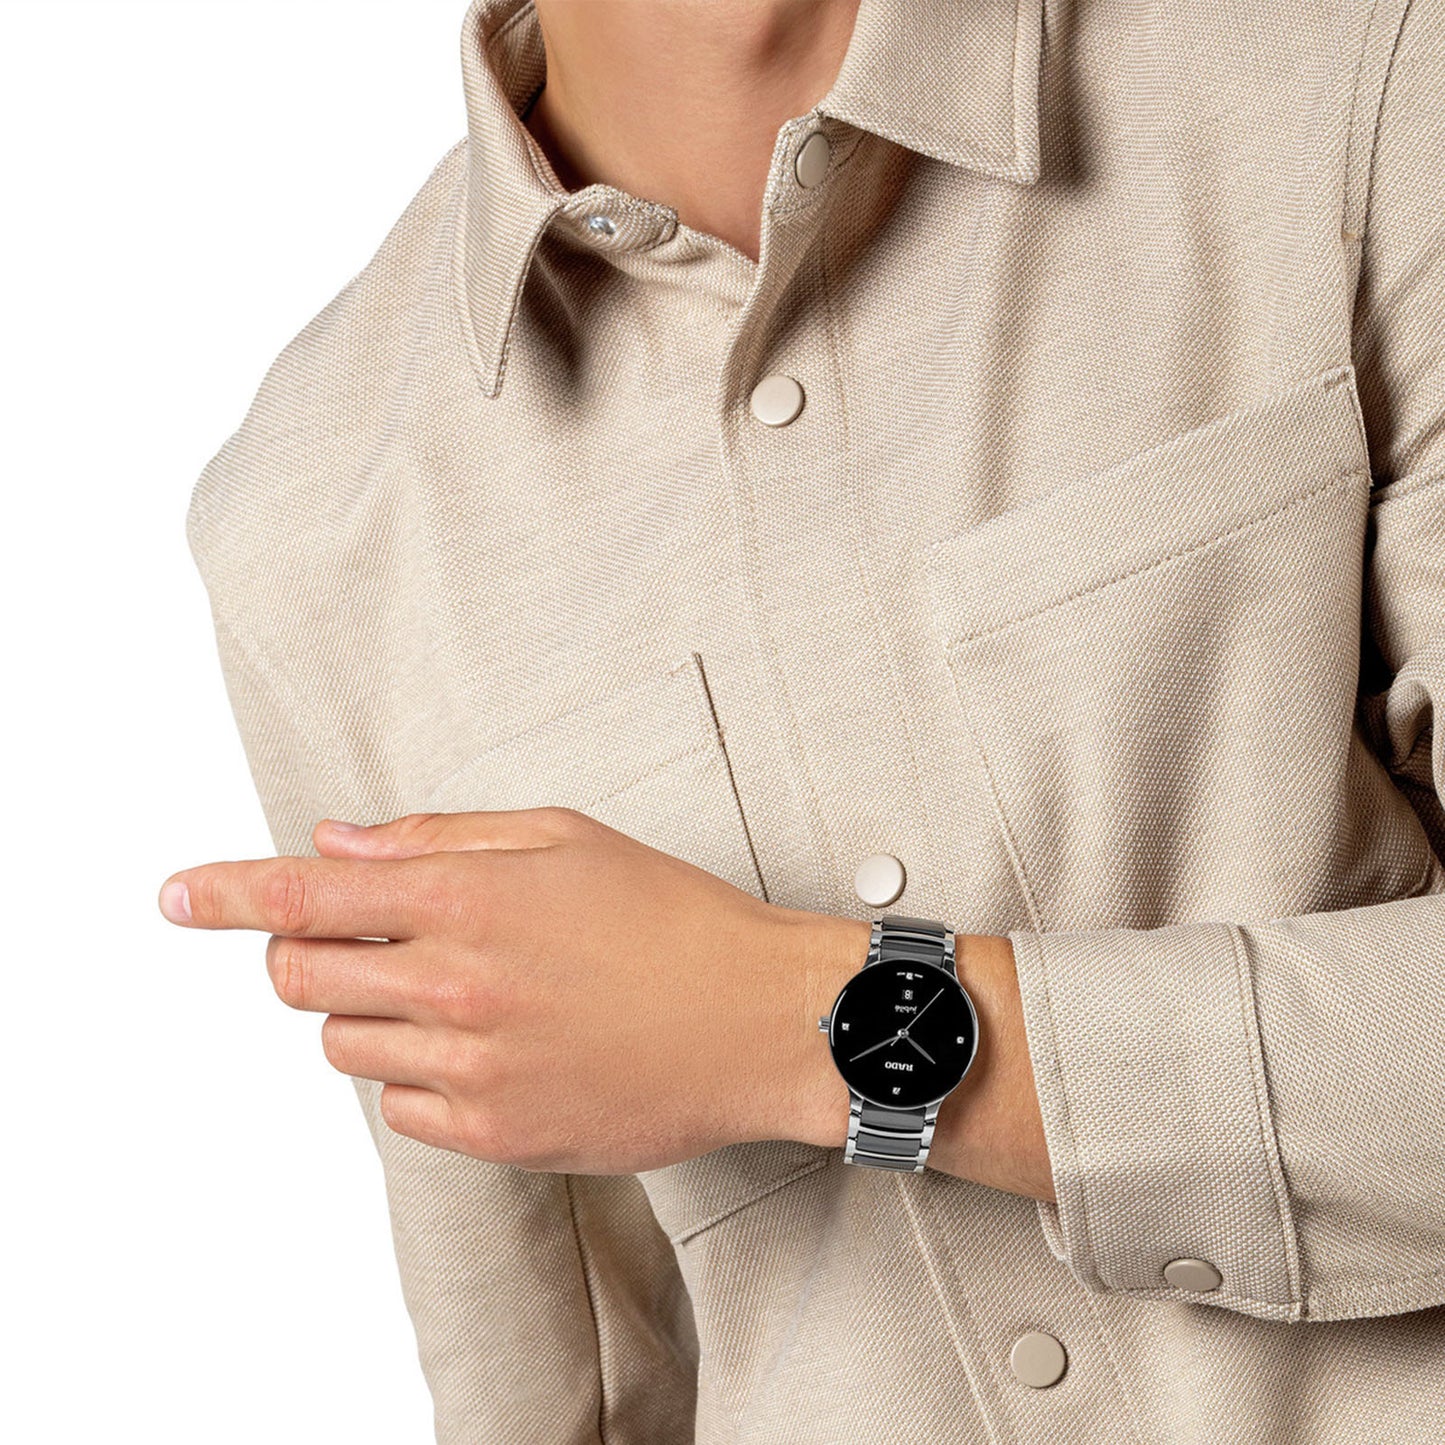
[[879, 879], [811, 162], [1038, 1360], [1195, 1274], [776, 400]]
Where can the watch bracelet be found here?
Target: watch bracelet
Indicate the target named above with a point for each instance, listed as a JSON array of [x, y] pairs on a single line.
[[898, 1139]]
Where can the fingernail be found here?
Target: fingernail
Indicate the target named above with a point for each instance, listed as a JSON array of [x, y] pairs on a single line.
[[344, 827], [176, 902]]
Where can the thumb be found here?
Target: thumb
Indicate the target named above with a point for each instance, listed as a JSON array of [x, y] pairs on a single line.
[[404, 837]]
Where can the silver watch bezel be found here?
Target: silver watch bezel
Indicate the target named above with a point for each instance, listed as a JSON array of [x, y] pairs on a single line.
[[930, 1106]]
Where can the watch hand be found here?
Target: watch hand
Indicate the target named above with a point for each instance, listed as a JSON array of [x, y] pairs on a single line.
[[891, 1039], [920, 1048], [924, 1009]]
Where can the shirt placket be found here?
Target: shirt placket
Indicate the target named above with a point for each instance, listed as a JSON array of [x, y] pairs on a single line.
[[783, 449], [863, 819]]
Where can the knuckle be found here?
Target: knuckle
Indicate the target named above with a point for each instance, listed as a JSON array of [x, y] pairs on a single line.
[[394, 1114], [565, 822], [416, 827], [333, 1043], [289, 967], [462, 1063], [433, 892], [206, 894], [456, 999], [285, 898], [487, 1136]]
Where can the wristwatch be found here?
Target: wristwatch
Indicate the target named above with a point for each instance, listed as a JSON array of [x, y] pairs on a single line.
[[902, 1032]]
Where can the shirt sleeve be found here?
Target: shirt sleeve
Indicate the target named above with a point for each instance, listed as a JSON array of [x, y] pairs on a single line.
[[1269, 1097], [548, 1308]]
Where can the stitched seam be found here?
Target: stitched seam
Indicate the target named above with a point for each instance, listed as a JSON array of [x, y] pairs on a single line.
[[990, 157], [1372, 1286], [510, 23], [961, 1302], [1404, 487], [461, 305], [1356, 232], [509, 326], [1030, 902], [1269, 1143], [840, 152], [1313, 1299], [1334, 484], [1366, 164], [906, 127], [707, 716], [651, 772], [1090, 1256], [281, 687], [1324, 381], [823, 856], [539, 228], [1294, 1311], [555, 719], [701, 711], [1108, 1343], [591, 1304], [863, 539], [1267, 1309], [693, 1230]]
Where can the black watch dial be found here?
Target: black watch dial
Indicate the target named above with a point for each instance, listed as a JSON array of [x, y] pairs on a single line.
[[903, 1034]]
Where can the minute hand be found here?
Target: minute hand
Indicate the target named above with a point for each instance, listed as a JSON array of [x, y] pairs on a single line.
[[924, 1010]]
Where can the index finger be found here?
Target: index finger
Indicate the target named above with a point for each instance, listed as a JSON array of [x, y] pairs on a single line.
[[313, 897]]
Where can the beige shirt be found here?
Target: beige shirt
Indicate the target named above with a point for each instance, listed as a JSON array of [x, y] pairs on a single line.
[[1095, 572]]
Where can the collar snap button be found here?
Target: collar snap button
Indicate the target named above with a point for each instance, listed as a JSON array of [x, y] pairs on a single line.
[[811, 163]]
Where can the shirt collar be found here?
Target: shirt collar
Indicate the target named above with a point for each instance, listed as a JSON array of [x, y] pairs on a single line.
[[956, 80]]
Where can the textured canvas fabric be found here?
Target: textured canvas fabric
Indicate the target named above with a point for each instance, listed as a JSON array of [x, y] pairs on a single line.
[[1101, 579]]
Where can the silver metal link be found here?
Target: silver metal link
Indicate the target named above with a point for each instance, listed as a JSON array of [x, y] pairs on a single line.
[[898, 1138]]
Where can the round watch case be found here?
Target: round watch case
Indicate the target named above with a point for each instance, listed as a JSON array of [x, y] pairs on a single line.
[[874, 1044]]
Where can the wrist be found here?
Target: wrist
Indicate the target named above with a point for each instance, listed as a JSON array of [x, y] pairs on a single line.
[[990, 1129], [821, 952]]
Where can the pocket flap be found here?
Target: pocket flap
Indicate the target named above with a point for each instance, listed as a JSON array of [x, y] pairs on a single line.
[[587, 754], [646, 759], [1160, 503]]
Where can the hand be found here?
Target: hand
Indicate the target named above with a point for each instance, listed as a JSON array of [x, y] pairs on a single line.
[[881, 1044], [920, 1048], [924, 1009], [533, 987]]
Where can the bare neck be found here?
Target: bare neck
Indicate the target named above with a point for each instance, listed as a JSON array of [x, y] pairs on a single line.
[[679, 101]]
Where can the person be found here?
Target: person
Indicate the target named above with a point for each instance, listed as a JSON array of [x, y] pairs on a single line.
[[923, 522]]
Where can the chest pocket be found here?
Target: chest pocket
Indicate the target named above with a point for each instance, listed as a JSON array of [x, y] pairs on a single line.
[[647, 759], [1159, 665]]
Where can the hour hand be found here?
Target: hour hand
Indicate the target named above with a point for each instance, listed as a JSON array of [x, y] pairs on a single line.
[[919, 1047], [883, 1044]]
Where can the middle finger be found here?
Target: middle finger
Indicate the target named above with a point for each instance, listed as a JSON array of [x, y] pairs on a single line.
[[345, 976]]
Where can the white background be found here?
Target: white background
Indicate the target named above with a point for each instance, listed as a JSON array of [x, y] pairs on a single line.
[[197, 1239]]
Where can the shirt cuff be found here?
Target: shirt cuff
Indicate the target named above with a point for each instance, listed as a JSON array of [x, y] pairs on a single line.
[[1146, 1056]]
